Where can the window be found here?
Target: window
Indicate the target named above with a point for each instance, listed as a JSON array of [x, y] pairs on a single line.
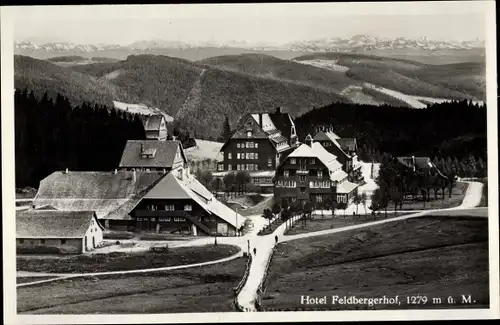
[[238, 167], [220, 167], [42, 241], [229, 167], [238, 155], [320, 173], [139, 219], [169, 207], [256, 155], [256, 145], [293, 161], [179, 219], [319, 198], [212, 218], [256, 180], [302, 179], [286, 173], [152, 207], [153, 219], [251, 144], [164, 219], [238, 145], [270, 162], [229, 156], [21, 241], [294, 199], [188, 207], [63, 241], [249, 134], [302, 190], [256, 167], [251, 155], [95, 229], [313, 160]]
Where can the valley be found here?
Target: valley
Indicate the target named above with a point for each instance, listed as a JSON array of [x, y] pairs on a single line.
[[199, 93]]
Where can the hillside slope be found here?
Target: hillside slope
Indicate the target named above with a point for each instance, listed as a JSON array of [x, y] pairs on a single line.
[[458, 81], [269, 67], [199, 95], [42, 76]]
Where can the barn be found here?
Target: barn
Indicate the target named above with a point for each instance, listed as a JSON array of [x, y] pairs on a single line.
[[47, 231]]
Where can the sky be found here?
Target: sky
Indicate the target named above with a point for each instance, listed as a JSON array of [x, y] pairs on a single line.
[[268, 23]]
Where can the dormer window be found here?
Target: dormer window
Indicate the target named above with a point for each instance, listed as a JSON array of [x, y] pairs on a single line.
[[148, 153], [293, 161], [286, 173], [249, 133]]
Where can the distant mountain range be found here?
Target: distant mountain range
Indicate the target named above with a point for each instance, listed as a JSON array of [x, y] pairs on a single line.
[[358, 43]]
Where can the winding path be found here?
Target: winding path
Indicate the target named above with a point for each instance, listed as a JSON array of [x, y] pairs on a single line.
[[264, 247]]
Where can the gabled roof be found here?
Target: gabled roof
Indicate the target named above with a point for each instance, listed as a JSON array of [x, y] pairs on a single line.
[[163, 158], [346, 187], [103, 192], [171, 187], [283, 122], [420, 162], [329, 160], [325, 135], [153, 122], [348, 144], [53, 224], [333, 138], [168, 187]]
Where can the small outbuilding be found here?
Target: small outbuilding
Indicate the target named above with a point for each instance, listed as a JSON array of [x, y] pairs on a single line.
[[47, 231]]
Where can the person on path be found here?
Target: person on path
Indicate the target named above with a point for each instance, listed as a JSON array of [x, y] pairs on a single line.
[[254, 251], [276, 238]]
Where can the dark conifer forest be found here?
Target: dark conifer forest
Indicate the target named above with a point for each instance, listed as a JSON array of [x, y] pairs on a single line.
[[51, 135], [455, 129]]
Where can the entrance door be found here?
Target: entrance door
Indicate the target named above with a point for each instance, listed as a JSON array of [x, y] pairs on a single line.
[[85, 247], [93, 242], [222, 228]]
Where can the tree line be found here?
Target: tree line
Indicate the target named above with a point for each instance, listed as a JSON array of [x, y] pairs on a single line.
[[52, 135], [455, 129]]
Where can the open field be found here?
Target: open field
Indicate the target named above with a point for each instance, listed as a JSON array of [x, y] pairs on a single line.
[[319, 223], [200, 289], [267, 202], [457, 197], [477, 212], [204, 150], [126, 261], [434, 257]]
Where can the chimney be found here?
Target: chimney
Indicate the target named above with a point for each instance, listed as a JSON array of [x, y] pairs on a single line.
[[66, 171], [309, 140], [164, 171], [134, 176], [260, 120], [278, 110], [116, 171], [413, 161]]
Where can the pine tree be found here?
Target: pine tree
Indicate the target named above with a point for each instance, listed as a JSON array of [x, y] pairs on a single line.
[[226, 130]]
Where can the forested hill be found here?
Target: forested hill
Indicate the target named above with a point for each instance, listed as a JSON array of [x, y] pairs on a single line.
[[456, 129], [50, 136]]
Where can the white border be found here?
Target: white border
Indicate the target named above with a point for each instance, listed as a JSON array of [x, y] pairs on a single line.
[[6, 18]]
